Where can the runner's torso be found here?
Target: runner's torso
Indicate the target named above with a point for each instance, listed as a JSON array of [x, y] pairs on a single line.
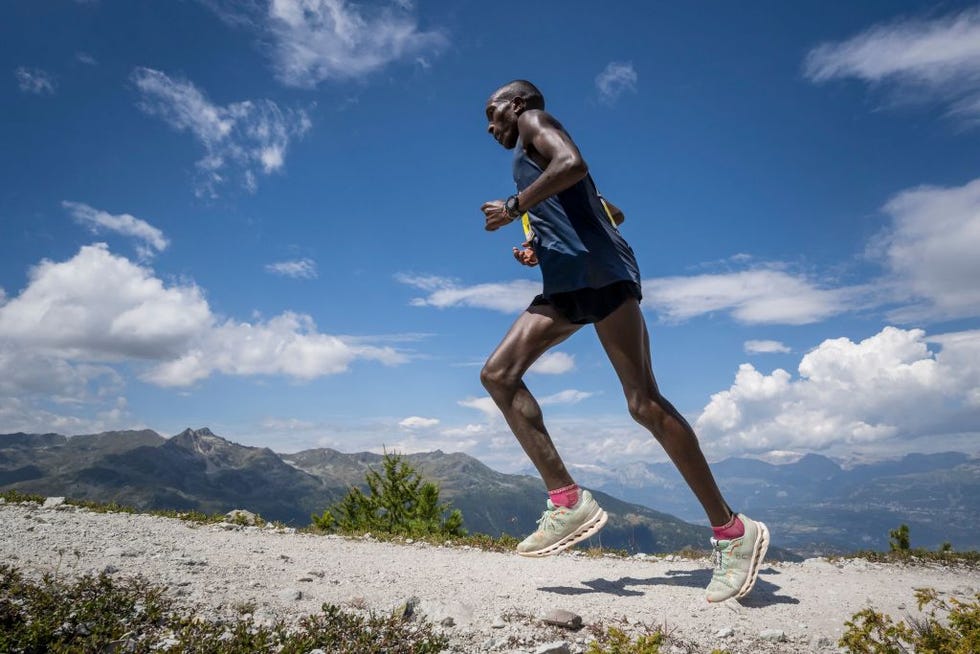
[[576, 243]]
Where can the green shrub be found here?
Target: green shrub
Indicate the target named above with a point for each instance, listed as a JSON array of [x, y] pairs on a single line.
[[948, 628], [616, 641], [898, 539], [399, 502], [103, 614]]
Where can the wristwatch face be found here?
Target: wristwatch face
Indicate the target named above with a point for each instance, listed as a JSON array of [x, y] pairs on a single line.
[[511, 206]]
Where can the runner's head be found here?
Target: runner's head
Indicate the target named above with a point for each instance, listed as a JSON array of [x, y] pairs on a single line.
[[506, 104]]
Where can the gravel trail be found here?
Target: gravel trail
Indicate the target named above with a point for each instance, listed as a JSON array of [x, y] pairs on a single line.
[[486, 602]]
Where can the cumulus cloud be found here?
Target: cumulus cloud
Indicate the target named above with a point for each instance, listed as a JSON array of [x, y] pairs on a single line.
[[553, 363], [35, 81], [249, 136], [297, 268], [311, 41], [506, 297], [765, 347], [484, 405], [759, 296], [614, 80], [883, 389], [930, 250], [65, 313], [96, 220], [418, 422], [938, 59], [86, 58]]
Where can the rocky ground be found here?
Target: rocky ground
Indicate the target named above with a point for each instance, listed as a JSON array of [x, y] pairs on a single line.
[[485, 602]]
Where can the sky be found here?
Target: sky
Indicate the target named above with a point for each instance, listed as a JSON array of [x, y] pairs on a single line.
[[263, 217]]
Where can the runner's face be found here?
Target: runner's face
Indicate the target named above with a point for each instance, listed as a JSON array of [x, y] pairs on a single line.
[[502, 120]]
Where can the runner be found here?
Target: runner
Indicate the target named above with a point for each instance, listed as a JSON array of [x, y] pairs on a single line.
[[590, 277]]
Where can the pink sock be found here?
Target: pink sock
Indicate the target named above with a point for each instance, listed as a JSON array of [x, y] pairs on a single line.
[[733, 529], [565, 496]]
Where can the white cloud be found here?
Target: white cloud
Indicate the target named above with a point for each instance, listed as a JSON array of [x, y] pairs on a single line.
[[614, 80], [931, 250], [570, 396], [759, 296], [874, 393], [553, 363], [35, 80], [506, 297], [938, 58], [297, 269], [66, 313], [287, 344], [418, 422], [765, 347], [86, 59], [311, 41], [484, 405], [125, 224], [246, 136]]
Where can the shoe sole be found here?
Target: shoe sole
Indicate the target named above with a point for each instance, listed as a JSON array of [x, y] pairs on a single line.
[[758, 554], [588, 529]]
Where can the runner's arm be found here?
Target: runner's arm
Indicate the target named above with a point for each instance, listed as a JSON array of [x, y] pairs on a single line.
[[563, 164]]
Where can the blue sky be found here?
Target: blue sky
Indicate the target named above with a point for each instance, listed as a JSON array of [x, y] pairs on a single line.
[[263, 217]]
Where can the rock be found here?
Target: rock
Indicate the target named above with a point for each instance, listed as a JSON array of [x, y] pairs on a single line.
[[823, 641], [562, 618], [291, 595], [53, 502], [727, 632], [775, 635], [110, 569], [448, 621], [498, 624], [316, 651], [242, 517], [407, 610], [557, 647]]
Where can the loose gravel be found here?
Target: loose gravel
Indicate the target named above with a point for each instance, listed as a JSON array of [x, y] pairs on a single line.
[[484, 601]]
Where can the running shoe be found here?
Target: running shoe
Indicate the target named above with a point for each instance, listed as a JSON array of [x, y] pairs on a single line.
[[560, 527], [737, 562]]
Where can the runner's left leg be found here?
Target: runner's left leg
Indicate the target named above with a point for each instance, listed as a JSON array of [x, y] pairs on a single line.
[[624, 336]]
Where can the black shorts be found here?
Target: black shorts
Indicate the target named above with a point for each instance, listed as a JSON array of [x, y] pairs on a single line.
[[589, 305]]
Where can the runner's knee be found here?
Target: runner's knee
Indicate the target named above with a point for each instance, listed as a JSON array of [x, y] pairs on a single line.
[[497, 379], [647, 411]]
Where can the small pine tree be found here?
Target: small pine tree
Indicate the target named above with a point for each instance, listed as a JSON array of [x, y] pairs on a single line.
[[898, 539], [398, 502]]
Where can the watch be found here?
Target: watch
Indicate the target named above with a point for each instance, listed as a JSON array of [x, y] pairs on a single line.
[[512, 206]]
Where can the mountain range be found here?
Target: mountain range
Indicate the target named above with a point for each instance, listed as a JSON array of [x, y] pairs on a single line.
[[819, 506], [813, 506], [196, 469]]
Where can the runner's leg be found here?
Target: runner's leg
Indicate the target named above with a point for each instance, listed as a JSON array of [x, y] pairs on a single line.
[[532, 334], [624, 336]]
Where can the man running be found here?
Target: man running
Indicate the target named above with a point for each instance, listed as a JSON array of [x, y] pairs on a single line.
[[590, 277]]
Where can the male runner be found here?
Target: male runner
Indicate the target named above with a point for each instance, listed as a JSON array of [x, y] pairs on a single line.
[[590, 276]]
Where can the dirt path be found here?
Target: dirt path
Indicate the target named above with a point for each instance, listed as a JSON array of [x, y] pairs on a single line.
[[493, 600]]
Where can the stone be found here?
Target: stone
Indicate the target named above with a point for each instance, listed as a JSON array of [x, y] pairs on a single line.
[[562, 618], [557, 647], [727, 632], [775, 635], [53, 502], [242, 517], [291, 595]]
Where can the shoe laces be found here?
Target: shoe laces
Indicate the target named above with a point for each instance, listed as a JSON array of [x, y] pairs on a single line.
[[547, 521]]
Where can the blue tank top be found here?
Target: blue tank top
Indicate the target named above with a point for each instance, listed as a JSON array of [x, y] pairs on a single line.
[[576, 243]]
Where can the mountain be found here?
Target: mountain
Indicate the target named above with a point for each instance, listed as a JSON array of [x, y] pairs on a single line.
[[821, 507], [196, 469]]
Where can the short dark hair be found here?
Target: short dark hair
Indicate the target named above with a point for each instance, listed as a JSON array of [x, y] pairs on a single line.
[[523, 88]]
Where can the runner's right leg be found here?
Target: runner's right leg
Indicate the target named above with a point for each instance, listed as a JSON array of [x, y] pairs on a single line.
[[532, 334]]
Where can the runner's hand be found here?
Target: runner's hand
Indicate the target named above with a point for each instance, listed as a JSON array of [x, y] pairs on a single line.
[[496, 215], [527, 256]]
